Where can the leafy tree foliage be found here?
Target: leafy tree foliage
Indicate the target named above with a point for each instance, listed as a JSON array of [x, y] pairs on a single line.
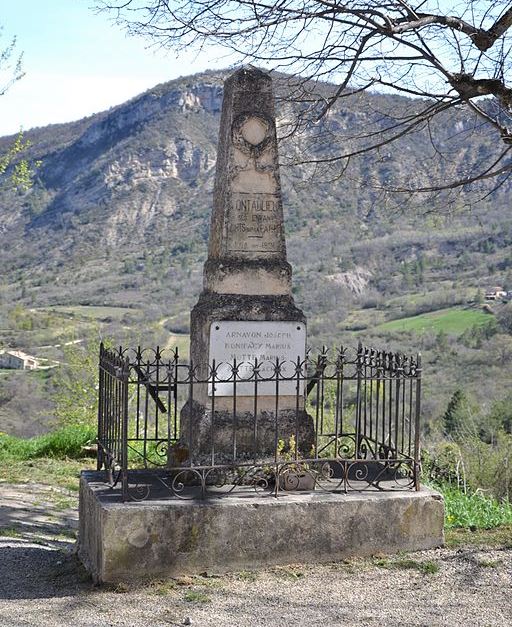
[[500, 416], [20, 172], [479, 455], [505, 318], [76, 385]]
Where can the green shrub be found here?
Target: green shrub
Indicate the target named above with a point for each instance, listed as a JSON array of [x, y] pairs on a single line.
[[488, 465], [478, 451], [473, 510], [443, 463]]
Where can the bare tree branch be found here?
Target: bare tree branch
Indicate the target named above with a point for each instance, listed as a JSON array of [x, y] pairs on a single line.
[[443, 59]]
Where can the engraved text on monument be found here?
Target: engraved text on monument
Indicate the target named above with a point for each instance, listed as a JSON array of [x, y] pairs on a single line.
[[254, 223]]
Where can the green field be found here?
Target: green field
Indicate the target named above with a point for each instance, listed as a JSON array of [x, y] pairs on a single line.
[[181, 342], [92, 311], [454, 320]]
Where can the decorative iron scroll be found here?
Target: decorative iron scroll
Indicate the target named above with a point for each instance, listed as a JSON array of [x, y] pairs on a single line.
[[333, 475]]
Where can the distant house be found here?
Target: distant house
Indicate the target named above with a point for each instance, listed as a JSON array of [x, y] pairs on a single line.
[[494, 293], [17, 360]]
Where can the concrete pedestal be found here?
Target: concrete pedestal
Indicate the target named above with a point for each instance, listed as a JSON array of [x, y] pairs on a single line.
[[170, 537]]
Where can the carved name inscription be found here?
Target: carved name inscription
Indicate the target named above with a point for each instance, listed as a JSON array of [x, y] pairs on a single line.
[[248, 341], [254, 225]]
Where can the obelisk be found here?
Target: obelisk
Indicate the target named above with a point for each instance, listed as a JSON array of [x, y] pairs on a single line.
[[246, 310]]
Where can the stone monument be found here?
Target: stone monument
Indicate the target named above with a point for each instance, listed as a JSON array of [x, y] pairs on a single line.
[[246, 310]]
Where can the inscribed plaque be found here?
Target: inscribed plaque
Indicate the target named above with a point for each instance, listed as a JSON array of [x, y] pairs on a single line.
[[266, 342]]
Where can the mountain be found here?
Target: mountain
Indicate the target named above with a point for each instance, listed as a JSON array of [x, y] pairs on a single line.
[[119, 211]]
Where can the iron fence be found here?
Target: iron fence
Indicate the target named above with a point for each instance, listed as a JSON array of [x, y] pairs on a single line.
[[343, 420]]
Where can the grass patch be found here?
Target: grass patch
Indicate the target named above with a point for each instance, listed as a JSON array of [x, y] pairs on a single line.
[[62, 502], [64, 473], [246, 575], [61, 443], [475, 519], [427, 568], [288, 572], [162, 587], [195, 596], [499, 537], [66, 535], [454, 320], [483, 563], [9, 532]]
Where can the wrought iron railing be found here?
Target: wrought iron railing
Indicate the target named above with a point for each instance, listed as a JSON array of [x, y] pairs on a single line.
[[362, 410]]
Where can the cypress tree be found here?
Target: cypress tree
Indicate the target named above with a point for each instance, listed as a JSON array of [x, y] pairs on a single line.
[[452, 417]]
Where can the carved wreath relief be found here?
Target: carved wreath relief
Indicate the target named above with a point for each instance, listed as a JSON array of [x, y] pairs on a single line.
[[255, 219]]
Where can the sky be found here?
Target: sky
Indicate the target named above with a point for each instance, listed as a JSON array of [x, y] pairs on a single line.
[[78, 62]]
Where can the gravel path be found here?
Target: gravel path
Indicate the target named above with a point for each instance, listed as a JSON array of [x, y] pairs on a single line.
[[42, 583]]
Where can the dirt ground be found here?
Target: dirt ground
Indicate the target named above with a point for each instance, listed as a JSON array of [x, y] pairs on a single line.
[[42, 583]]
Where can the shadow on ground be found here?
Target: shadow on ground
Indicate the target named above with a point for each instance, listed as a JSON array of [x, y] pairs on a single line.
[[37, 542], [38, 513], [33, 572]]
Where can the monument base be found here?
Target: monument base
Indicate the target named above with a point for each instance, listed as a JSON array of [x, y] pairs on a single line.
[[197, 427], [169, 537], [234, 412]]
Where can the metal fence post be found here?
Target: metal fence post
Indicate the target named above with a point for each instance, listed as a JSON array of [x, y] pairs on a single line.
[[359, 375], [125, 374], [417, 425], [101, 396]]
